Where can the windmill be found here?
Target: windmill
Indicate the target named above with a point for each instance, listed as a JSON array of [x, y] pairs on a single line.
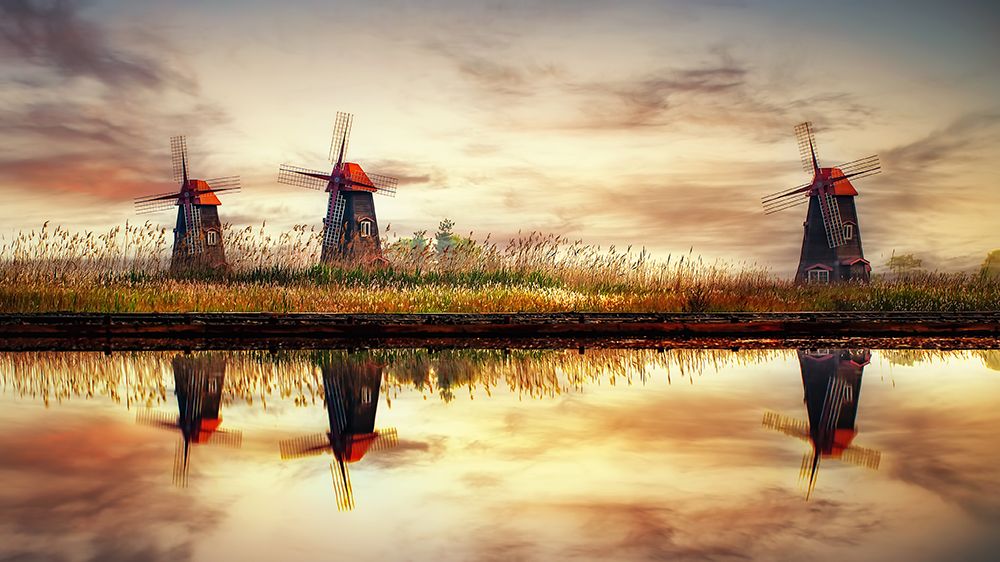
[[350, 229], [832, 382], [198, 234], [198, 384], [351, 389], [831, 243]]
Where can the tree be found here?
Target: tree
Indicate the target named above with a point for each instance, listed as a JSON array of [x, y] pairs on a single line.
[[444, 238], [991, 265], [904, 263]]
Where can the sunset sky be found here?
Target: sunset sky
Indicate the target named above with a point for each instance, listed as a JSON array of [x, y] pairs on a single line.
[[656, 124]]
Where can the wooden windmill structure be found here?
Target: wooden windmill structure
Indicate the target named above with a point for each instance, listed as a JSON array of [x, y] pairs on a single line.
[[350, 228], [198, 384], [832, 382], [351, 389], [831, 242], [198, 232]]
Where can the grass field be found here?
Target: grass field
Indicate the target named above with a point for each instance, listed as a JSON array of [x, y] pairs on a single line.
[[125, 270]]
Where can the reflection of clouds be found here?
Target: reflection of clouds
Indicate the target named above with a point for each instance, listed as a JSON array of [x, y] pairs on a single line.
[[947, 458], [92, 489], [768, 524]]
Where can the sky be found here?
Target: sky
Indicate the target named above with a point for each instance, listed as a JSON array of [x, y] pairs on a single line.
[[656, 124]]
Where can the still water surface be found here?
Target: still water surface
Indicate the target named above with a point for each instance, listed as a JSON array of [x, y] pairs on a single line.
[[501, 455]]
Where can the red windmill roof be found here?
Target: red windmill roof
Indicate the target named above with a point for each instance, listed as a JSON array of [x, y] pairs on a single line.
[[208, 427], [842, 187], [841, 441], [203, 193], [359, 179], [359, 446]]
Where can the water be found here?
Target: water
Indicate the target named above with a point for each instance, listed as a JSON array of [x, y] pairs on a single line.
[[501, 455]]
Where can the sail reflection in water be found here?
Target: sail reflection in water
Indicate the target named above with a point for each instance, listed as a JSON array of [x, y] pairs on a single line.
[[351, 385], [198, 383], [831, 379]]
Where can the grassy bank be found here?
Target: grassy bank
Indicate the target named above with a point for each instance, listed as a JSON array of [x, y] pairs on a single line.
[[125, 270]]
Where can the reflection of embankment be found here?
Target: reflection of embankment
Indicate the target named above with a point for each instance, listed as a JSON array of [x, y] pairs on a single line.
[[142, 379]]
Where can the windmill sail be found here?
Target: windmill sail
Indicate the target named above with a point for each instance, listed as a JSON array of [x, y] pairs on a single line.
[[832, 223], [342, 485], [179, 157], [333, 222], [341, 137]]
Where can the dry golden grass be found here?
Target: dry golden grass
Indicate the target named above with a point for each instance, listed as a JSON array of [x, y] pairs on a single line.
[[125, 270]]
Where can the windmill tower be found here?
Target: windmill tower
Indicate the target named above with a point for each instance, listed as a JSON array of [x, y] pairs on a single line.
[[832, 382], [350, 228], [198, 234], [351, 389], [198, 384], [831, 242]]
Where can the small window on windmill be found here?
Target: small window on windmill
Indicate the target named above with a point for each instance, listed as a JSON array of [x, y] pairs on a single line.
[[819, 276], [366, 395], [365, 227], [848, 231], [212, 237]]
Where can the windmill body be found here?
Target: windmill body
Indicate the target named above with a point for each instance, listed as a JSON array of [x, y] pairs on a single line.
[[845, 262], [831, 381], [198, 244], [350, 226], [351, 388], [198, 231], [831, 240]]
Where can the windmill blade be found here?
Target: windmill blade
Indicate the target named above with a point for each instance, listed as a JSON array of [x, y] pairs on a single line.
[[832, 223], [181, 463], [156, 418], [859, 169], [158, 197], [807, 146], [384, 185], [178, 156], [334, 220], [809, 471], [306, 446], [787, 204], [303, 177], [386, 439], [786, 424], [865, 163], [227, 183], [231, 439], [861, 456], [786, 192], [341, 137], [155, 206], [342, 485], [222, 190], [192, 228]]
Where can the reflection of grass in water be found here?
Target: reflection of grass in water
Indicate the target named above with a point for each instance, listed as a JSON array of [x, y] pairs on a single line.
[[125, 270], [141, 379], [910, 357]]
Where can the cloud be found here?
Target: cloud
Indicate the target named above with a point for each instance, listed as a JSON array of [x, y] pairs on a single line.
[[94, 490], [51, 33], [106, 137], [480, 65]]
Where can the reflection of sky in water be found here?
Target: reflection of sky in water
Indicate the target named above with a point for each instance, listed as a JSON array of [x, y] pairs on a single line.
[[635, 469]]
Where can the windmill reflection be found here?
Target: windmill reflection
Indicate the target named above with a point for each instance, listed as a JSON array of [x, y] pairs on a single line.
[[198, 382], [831, 379], [351, 389]]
